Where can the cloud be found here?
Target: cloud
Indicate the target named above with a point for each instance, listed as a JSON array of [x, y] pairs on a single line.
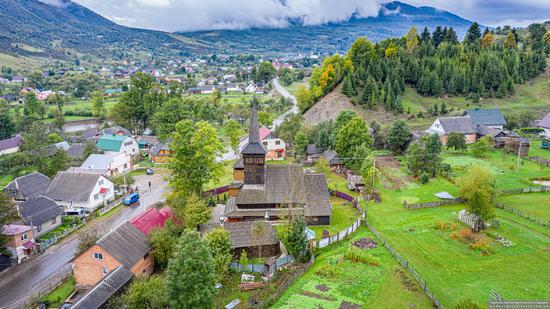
[[59, 3], [192, 15]]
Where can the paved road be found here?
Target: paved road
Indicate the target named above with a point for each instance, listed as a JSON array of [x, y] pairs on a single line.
[[22, 281], [293, 110]]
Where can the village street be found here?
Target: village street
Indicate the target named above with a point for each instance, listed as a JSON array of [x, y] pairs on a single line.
[[287, 95], [28, 278]]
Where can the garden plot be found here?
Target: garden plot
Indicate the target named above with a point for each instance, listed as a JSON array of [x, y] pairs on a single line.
[[346, 277]]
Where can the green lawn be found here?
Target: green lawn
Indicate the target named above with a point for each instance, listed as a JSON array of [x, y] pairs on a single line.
[[58, 295], [532, 204], [5, 180], [536, 151], [225, 179], [343, 216], [292, 88], [451, 269], [333, 280]]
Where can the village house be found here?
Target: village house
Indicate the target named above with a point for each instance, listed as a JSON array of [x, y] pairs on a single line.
[[75, 151], [151, 219], [544, 124], [334, 161], [232, 87], [117, 144], [446, 125], [146, 142], [42, 213], [355, 182], [125, 246], [160, 153], [117, 130], [20, 241], [275, 147], [109, 165], [491, 118], [272, 191], [251, 88], [27, 187], [10, 145], [86, 191]]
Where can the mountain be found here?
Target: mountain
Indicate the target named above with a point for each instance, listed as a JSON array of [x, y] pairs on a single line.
[[33, 27], [394, 19]]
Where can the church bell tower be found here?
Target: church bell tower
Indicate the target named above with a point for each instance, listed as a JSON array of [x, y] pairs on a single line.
[[254, 152]]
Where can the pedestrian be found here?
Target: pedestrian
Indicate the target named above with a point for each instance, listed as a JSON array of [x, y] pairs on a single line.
[[149, 185]]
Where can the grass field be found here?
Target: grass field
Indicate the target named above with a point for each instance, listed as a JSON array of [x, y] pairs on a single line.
[[451, 269], [57, 296], [292, 88], [532, 204], [343, 216], [19, 62], [536, 151], [225, 179], [333, 280]]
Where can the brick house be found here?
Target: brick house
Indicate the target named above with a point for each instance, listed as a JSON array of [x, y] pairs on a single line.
[[124, 246], [20, 242]]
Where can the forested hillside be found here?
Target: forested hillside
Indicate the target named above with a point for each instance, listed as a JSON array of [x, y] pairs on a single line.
[[483, 65]]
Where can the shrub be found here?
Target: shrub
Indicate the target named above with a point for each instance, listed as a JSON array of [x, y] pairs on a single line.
[[466, 234], [467, 304], [441, 225], [455, 235], [328, 271], [424, 178]]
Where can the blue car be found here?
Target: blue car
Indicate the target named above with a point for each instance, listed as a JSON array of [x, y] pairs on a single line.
[[131, 198]]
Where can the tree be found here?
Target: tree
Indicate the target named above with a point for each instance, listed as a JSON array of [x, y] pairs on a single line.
[[265, 72], [352, 135], [477, 188], [163, 242], [360, 52], [190, 274], [473, 34], [195, 147], [257, 232], [510, 41], [300, 144], [288, 128], [8, 213], [195, 212], [296, 240], [147, 292], [32, 105], [233, 131], [348, 88], [86, 239], [220, 247], [424, 156], [305, 98], [482, 146], [425, 37], [58, 118], [399, 136], [7, 125], [98, 105], [169, 114], [536, 36], [488, 40], [322, 166], [412, 39], [265, 118], [457, 141], [370, 174]]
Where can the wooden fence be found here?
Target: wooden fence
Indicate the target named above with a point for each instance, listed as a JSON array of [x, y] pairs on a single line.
[[401, 260], [216, 191], [43, 288], [540, 160], [520, 213], [323, 242], [526, 190], [431, 204]]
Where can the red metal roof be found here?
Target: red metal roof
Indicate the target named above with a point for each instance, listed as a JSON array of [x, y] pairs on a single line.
[[147, 221], [28, 245], [264, 132]]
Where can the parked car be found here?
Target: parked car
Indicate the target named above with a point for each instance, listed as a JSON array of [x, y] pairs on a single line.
[[149, 171], [131, 198], [75, 212]]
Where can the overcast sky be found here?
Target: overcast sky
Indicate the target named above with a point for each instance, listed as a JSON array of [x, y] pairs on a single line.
[[190, 15]]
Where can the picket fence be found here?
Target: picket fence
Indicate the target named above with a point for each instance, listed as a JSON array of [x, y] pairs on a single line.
[[526, 190], [431, 204], [323, 242], [401, 260], [520, 213]]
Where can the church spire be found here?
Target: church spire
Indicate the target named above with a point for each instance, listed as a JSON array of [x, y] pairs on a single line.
[[254, 131]]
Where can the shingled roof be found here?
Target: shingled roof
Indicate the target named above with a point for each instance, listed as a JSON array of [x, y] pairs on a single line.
[[545, 122], [332, 157], [486, 117], [126, 243], [69, 186], [28, 186], [463, 125], [105, 289], [241, 234], [288, 184], [254, 146], [38, 210]]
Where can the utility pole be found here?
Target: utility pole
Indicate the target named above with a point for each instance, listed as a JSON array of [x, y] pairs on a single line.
[[519, 154], [373, 172]]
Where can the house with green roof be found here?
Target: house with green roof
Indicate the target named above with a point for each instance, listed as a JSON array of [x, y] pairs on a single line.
[[116, 144]]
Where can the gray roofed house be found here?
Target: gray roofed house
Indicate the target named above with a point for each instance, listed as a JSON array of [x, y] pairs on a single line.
[[158, 147], [126, 243], [98, 161], [10, 145], [486, 117], [76, 151], [72, 186], [28, 186], [311, 149], [105, 289], [463, 125], [332, 157], [42, 213], [90, 133], [116, 130], [544, 122]]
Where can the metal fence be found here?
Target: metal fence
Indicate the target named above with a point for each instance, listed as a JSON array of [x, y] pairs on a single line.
[[432, 204], [520, 213], [401, 260], [323, 242], [44, 288], [258, 268]]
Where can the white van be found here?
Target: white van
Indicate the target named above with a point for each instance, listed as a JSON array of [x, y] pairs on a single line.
[[78, 212]]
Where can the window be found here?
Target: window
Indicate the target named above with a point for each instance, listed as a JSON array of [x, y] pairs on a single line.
[[277, 142], [54, 220], [125, 165], [98, 256], [24, 236], [96, 197], [146, 256], [265, 143], [100, 182], [104, 271]]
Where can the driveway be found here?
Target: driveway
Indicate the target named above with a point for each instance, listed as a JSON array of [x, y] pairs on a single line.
[[21, 281], [283, 92]]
